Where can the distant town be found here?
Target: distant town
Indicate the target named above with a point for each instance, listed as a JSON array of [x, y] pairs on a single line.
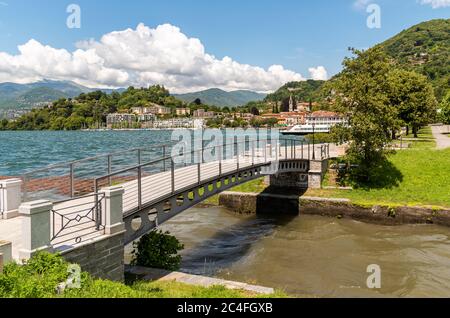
[[299, 119]]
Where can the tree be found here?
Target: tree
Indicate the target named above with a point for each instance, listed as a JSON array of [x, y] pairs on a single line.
[[445, 109], [254, 111], [361, 92], [413, 97]]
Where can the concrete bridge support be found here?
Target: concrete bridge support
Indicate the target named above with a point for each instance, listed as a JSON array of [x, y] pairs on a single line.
[[311, 177]]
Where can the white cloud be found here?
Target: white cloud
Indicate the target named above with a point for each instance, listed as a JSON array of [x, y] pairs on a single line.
[[435, 4], [318, 73], [142, 57]]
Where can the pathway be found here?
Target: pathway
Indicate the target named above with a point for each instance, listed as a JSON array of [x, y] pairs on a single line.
[[442, 141]]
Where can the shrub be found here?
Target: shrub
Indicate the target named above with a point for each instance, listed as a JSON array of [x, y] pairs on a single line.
[[158, 250], [34, 279]]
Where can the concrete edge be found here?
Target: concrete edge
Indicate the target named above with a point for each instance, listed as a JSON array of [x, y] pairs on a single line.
[[152, 274]]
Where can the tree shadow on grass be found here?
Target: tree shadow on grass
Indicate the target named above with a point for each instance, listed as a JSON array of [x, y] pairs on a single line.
[[384, 176]]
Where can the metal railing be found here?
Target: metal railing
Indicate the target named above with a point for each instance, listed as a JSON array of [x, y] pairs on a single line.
[[181, 175], [77, 219], [72, 179], [81, 177]]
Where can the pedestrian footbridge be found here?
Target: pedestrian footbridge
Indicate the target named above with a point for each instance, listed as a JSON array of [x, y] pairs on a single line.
[[83, 196]]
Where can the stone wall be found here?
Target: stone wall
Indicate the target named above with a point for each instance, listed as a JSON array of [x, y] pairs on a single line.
[[254, 203], [102, 258], [302, 180]]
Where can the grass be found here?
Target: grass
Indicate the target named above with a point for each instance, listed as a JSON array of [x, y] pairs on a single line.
[[40, 276], [159, 289], [420, 176], [257, 186], [424, 178]]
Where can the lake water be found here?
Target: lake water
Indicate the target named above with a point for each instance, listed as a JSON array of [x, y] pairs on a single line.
[[315, 256], [28, 150]]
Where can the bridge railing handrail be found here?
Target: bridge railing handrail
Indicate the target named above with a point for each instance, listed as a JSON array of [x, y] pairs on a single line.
[[74, 178], [169, 158], [65, 164]]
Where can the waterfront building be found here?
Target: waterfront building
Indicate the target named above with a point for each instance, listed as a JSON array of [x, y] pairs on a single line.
[[152, 108], [176, 123], [201, 113], [183, 111], [119, 118]]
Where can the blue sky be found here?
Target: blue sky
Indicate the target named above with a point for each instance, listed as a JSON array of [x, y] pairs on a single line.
[[295, 34]]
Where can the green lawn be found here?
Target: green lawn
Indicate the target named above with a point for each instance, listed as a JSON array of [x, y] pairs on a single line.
[[44, 272], [422, 177]]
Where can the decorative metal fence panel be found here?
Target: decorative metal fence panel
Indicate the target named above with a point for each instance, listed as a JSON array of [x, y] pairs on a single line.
[[77, 220]]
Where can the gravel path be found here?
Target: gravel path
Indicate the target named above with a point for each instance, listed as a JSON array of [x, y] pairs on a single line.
[[442, 141]]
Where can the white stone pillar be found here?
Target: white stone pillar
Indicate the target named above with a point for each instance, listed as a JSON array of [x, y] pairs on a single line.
[[35, 227], [113, 210], [10, 197], [5, 253]]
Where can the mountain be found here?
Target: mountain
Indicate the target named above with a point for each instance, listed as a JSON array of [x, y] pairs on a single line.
[[304, 91], [220, 98], [16, 96], [424, 48]]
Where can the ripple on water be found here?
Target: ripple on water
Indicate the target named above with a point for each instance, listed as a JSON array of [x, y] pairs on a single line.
[[313, 255]]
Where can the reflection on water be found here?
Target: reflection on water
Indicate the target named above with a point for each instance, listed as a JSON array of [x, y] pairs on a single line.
[[313, 255]]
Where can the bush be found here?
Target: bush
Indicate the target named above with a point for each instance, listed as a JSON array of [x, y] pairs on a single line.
[[36, 278], [158, 250]]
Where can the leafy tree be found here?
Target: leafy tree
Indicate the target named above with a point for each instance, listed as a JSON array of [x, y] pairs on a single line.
[[413, 97], [361, 92], [445, 109]]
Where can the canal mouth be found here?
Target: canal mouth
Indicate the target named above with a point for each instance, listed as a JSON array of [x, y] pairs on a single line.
[[314, 256]]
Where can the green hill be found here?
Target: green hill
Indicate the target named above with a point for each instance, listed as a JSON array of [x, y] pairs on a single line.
[[301, 91], [220, 98], [424, 48]]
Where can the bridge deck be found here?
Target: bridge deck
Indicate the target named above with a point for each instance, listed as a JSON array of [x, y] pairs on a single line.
[[153, 187]]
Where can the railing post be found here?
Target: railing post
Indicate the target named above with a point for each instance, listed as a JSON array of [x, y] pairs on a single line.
[[36, 227], [139, 187], [303, 144], [72, 190], [220, 160], [198, 171], [285, 150], [253, 153], [237, 156], [164, 158], [10, 199], [139, 156], [113, 209], [172, 178], [109, 169]]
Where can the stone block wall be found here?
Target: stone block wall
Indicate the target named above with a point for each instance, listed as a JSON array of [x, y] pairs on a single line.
[[103, 258]]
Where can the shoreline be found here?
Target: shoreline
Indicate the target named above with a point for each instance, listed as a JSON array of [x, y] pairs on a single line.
[[266, 203]]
